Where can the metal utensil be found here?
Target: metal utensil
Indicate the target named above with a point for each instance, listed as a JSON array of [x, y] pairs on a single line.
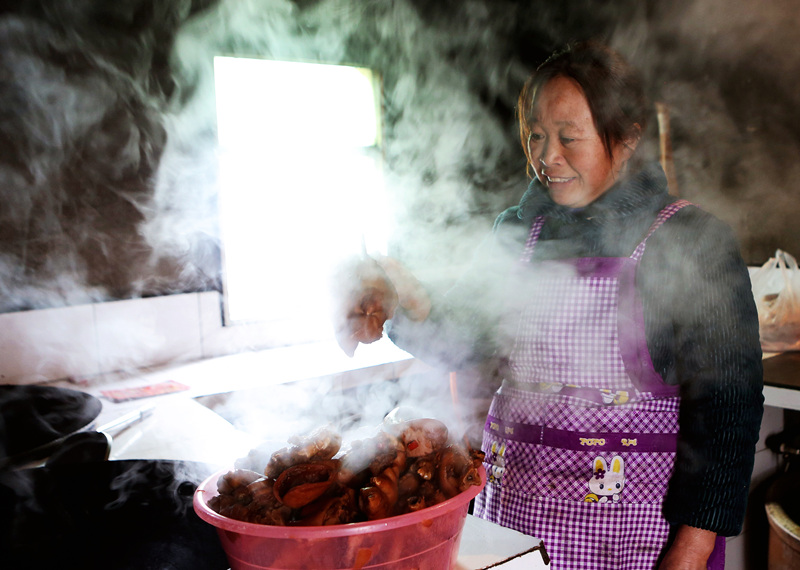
[[95, 445]]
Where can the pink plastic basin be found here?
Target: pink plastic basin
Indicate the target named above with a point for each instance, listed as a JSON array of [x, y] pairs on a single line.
[[424, 540]]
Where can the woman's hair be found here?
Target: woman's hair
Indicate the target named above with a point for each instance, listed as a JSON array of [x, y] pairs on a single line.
[[612, 87]]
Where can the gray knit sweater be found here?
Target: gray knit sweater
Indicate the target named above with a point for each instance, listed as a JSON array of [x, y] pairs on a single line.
[[700, 322]]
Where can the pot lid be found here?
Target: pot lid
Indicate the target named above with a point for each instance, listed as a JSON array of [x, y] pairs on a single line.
[[34, 417]]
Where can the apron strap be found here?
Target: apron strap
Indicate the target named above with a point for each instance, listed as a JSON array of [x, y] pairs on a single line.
[[666, 213], [533, 237]]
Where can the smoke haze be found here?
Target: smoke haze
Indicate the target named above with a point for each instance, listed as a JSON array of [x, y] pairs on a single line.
[[108, 169]]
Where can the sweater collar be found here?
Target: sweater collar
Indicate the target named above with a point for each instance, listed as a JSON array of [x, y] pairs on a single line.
[[626, 196]]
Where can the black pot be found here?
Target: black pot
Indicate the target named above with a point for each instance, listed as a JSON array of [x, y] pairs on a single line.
[[109, 515], [35, 420]]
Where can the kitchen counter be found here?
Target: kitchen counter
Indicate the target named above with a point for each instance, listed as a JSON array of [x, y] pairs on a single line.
[[198, 434], [177, 426], [782, 380]]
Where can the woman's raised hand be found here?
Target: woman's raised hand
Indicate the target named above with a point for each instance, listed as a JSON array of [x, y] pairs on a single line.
[[367, 291], [364, 298]]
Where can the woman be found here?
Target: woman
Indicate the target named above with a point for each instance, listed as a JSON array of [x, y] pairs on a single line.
[[624, 431]]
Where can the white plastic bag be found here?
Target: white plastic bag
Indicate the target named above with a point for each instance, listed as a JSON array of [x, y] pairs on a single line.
[[776, 288]]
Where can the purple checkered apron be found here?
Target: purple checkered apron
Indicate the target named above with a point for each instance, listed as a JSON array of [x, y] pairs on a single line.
[[580, 439]]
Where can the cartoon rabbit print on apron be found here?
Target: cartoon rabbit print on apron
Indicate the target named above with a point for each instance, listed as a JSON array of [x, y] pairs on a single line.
[[606, 482]]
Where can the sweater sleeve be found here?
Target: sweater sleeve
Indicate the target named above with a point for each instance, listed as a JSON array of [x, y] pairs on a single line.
[[716, 357], [462, 328]]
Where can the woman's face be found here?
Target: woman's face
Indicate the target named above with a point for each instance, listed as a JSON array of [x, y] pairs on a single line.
[[565, 149]]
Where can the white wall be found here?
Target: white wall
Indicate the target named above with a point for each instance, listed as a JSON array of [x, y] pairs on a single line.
[[86, 340]]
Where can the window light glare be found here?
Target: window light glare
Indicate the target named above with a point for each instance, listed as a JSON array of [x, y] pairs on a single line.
[[301, 184], [286, 95]]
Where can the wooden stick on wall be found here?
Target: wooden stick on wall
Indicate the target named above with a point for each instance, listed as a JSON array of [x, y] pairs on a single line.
[[665, 145]]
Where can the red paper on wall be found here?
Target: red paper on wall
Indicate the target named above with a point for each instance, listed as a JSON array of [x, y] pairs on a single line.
[[124, 394]]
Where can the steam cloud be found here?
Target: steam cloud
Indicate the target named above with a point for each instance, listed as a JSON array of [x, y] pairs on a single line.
[[108, 163], [108, 183]]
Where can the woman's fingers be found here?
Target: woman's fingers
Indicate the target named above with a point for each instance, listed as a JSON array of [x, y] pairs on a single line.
[[347, 342], [365, 299]]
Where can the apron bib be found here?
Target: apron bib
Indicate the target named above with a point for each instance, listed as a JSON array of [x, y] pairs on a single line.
[[580, 439]]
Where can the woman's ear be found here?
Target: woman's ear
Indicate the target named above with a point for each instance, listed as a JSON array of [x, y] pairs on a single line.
[[633, 139], [628, 147]]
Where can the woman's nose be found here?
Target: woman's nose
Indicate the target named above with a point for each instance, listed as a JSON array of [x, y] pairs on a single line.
[[549, 154]]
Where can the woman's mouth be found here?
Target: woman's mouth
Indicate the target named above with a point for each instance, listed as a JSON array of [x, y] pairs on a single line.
[[557, 180]]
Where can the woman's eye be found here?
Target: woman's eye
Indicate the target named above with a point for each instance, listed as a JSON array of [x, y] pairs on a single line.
[[566, 140], [535, 137]]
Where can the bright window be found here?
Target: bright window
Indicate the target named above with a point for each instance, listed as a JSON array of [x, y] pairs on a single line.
[[301, 185]]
